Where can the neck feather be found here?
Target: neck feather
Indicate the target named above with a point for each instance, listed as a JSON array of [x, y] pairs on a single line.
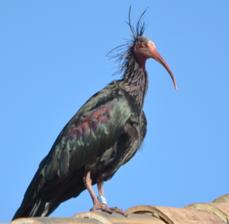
[[135, 80]]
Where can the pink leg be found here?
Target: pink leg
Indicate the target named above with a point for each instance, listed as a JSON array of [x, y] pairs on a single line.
[[88, 184], [97, 205], [101, 196], [102, 199]]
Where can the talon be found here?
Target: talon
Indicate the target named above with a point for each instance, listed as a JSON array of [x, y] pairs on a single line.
[[101, 207], [119, 211], [105, 208]]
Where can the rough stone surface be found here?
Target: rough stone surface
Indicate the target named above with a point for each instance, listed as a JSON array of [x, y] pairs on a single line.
[[216, 212]]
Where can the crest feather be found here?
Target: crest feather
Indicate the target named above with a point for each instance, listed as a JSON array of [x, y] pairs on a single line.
[[123, 52]]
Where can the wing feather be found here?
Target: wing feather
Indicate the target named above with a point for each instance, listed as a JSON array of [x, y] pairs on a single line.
[[90, 132]]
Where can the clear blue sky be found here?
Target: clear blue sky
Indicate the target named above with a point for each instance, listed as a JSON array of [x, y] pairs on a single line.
[[53, 58]]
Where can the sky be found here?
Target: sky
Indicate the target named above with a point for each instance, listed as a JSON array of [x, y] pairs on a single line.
[[53, 57]]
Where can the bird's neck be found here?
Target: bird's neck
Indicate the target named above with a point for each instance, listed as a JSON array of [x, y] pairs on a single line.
[[135, 81]]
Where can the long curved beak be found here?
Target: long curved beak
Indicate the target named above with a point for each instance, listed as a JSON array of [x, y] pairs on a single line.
[[155, 55]]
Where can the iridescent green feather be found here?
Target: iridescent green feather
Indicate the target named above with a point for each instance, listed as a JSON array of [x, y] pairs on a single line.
[[72, 153]]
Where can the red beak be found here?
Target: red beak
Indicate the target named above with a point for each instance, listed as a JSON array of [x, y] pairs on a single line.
[[155, 55]]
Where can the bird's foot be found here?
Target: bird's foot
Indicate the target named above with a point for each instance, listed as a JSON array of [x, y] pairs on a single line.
[[105, 208], [101, 207], [119, 211]]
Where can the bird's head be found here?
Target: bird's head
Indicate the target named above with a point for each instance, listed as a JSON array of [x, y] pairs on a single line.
[[144, 49], [139, 47]]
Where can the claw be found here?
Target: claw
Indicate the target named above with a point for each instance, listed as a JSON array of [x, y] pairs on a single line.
[[105, 208], [101, 207], [119, 211]]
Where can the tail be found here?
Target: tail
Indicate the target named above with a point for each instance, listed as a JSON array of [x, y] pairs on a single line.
[[44, 196], [33, 209], [34, 203]]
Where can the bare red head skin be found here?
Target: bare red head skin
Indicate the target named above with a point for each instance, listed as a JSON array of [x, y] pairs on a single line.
[[144, 49]]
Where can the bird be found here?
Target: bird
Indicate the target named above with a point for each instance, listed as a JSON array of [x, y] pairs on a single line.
[[104, 134]]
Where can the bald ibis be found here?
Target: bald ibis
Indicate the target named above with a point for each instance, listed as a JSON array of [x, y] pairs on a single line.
[[102, 136]]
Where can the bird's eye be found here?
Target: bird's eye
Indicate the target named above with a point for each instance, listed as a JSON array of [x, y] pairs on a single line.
[[141, 44]]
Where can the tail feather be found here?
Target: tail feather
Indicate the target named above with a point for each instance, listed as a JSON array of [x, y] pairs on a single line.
[[32, 204], [44, 196], [32, 209]]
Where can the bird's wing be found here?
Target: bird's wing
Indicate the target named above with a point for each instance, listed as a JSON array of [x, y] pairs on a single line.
[[89, 133]]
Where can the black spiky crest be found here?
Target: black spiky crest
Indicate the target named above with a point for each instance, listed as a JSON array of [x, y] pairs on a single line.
[[139, 29], [123, 53]]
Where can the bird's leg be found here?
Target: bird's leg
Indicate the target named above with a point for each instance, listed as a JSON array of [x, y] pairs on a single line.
[[103, 200], [97, 205], [88, 184], [101, 196]]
